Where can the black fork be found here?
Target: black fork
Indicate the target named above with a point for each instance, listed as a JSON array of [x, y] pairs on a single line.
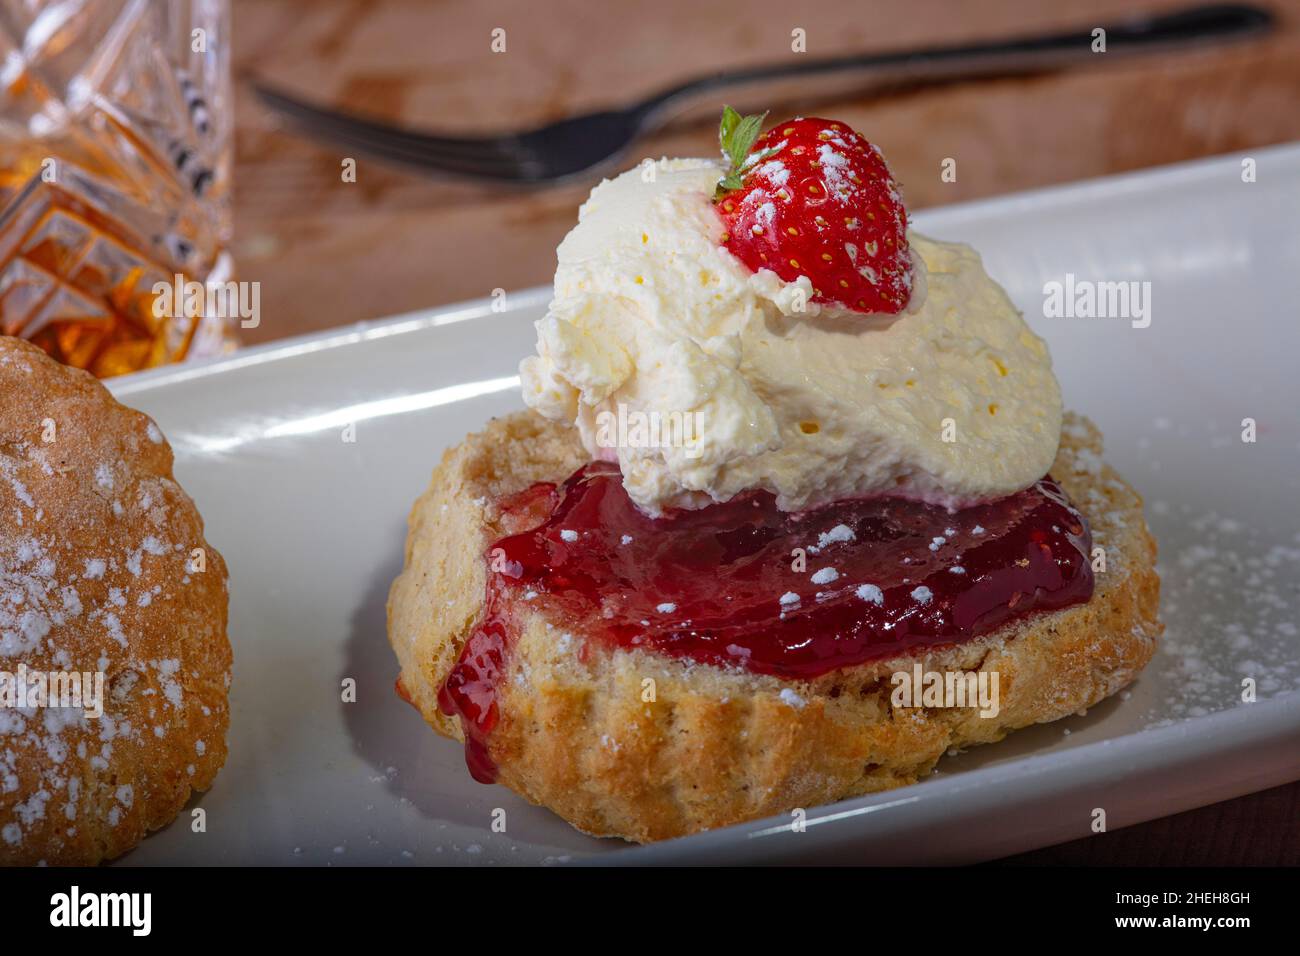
[[580, 144]]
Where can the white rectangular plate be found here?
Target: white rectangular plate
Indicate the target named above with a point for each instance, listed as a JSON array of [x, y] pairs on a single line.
[[312, 527]]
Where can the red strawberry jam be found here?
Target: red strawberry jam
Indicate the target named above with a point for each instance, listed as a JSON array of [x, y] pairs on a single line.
[[743, 584]]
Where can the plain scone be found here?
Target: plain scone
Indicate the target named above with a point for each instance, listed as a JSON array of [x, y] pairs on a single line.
[[98, 573], [720, 746]]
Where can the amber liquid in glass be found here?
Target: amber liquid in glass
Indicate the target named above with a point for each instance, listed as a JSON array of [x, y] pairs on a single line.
[[79, 286], [114, 179]]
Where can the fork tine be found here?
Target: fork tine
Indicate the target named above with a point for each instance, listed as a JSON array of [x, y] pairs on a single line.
[[522, 172], [488, 156], [484, 166]]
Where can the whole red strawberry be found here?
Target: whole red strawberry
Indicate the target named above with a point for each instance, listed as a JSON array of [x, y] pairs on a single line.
[[812, 197]]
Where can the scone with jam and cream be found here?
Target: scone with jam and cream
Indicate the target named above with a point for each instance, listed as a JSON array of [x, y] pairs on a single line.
[[784, 460]]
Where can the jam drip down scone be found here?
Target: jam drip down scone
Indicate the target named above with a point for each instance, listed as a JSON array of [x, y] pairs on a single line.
[[782, 453]]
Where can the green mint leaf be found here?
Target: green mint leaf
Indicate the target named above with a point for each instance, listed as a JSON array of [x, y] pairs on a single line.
[[756, 158], [747, 131], [730, 119], [737, 135], [727, 184]]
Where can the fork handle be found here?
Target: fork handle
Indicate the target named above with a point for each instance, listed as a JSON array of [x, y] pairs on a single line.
[[998, 58]]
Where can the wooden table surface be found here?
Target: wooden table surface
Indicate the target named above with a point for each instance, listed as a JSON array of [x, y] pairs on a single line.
[[329, 252]]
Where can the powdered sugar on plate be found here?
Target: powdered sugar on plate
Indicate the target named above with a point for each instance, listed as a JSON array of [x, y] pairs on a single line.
[[1230, 600]]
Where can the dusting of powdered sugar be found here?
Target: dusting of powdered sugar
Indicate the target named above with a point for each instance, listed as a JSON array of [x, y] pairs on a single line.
[[1230, 600], [64, 610], [839, 534]]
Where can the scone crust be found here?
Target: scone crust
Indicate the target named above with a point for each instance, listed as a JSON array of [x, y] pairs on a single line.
[[98, 573], [719, 746]]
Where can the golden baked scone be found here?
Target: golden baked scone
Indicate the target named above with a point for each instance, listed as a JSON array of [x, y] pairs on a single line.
[[719, 746], [103, 568]]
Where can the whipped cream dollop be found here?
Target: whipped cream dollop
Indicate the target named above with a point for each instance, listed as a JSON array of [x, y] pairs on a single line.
[[703, 379]]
